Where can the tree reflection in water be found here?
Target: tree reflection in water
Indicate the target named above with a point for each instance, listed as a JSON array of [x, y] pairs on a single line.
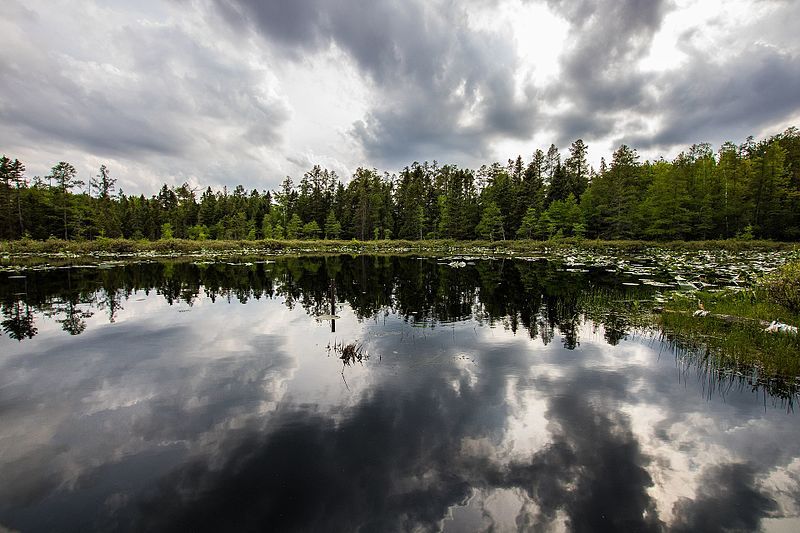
[[538, 297]]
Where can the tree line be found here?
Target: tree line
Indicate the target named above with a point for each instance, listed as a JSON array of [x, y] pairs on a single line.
[[751, 190]]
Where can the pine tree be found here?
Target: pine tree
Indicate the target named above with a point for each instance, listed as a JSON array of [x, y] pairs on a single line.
[[333, 229], [491, 224], [577, 169], [665, 204], [17, 175], [64, 175], [294, 227], [5, 198], [528, 226]]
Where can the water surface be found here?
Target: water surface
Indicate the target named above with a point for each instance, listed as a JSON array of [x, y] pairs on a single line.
[[503, 395]]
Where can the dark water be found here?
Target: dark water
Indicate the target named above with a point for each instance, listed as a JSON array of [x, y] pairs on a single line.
[[500, 396]]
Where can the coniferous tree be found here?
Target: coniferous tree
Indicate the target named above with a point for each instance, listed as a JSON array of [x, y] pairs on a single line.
[[491, 224], [333, 228], [747, 190], [665, 204], [576, 168], [65, 177], [294, 227], [5, 198], [17, 176]]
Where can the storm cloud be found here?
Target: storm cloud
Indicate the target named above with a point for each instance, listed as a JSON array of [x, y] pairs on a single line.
[[432, 71], [222, 92]]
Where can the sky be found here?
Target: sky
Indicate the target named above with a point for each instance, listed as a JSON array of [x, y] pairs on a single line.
[[223, 92]]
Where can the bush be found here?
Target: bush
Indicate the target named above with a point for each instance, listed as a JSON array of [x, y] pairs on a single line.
[[783, 286]]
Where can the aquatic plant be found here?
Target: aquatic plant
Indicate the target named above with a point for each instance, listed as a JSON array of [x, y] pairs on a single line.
[[733, 330], [783, 285]]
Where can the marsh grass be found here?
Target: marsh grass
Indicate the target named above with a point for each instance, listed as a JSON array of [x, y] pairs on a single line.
[[444, 246], [783, 286], [722, 375], [754, 304], [742, 343]]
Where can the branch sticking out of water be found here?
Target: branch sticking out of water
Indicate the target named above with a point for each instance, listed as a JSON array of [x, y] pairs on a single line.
[[349, 353]]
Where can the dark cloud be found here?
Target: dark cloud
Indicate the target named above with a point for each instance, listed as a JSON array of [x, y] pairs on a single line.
[[706, 99], [728, 499], [444, 88], [47, 104], [294, 24], [715, 101], [150, 91], [599, 77]]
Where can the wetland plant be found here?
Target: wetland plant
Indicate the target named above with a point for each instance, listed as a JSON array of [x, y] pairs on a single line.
[[783, 286]]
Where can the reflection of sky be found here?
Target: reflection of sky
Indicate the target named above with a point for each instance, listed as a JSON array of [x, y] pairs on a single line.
[[230, 416]]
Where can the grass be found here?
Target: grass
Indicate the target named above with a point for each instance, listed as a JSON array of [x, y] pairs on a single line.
[[783, 286], [442, 246], [742, 342]]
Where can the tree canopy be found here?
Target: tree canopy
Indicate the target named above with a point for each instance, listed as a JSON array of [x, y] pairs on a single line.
[[750, 190]]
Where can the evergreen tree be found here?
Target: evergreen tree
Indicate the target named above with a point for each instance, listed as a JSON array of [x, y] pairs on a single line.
[[5, 198], [559, 188], [333, 229], [311, 230], [610, 207], [491, 224], [65, 177], [294, 227], [576, 168], [528, 226], [17, 178], [665, 204]]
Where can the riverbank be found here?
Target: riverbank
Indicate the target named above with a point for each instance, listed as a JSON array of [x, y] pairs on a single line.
[[169, 247]]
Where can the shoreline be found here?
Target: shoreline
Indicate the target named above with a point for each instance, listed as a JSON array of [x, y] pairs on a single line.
[[56, 248]]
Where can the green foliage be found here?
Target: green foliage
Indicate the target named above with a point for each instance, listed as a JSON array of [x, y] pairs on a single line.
[[166, 230], [198, 232], [491, 224], [733, 333], [333, 229], [783, 286], [561, 218], [749, 191], [266, 229], [528, 226], [311, 230], [294, 227], [747, 234]]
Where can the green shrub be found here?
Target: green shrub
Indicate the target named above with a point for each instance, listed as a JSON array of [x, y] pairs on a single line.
[[783, 286]]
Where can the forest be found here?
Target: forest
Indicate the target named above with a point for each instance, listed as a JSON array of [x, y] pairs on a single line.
[[746, 191]]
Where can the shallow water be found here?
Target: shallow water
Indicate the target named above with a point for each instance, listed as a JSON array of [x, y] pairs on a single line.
[[504, 394]]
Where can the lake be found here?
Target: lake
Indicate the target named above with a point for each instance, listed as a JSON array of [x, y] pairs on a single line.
[[376, 394]]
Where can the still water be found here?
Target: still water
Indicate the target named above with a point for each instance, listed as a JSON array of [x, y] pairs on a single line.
[[501, 395]]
